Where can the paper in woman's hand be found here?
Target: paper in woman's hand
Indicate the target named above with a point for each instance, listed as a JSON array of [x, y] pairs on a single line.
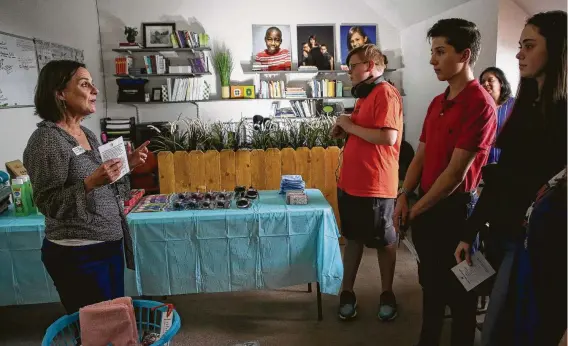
[[115, 150]]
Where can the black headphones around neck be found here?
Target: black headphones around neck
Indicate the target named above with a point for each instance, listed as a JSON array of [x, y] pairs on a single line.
[[363, 89]]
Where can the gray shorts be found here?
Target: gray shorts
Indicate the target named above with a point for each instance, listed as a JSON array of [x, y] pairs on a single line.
[[367, 219]]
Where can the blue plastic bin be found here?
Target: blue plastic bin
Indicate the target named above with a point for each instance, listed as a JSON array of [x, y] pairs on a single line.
[[62, 331]]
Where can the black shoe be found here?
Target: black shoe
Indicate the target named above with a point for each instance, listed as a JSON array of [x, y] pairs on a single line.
[[347, 305]]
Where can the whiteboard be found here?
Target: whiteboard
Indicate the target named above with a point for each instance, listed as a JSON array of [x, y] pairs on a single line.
[[48, 51], [18, 71]]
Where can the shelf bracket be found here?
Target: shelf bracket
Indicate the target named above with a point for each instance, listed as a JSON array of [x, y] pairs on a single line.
[[137, 112], [196, 107]]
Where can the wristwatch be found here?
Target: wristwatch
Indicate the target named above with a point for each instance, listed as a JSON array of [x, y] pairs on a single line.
[[402, 191]]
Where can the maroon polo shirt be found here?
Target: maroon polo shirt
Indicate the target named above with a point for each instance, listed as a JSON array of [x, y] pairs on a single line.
[[467, 122]]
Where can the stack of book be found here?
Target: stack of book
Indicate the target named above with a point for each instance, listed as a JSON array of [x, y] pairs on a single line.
[[189, 39], [295, 93], [129, 45]]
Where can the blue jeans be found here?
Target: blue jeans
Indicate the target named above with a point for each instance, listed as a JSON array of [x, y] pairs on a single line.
[[85, 275]]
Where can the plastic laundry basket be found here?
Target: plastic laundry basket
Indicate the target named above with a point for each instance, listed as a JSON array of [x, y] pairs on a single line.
[[63, 331]]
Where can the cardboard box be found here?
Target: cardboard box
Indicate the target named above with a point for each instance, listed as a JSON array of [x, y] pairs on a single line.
[[15, 169]]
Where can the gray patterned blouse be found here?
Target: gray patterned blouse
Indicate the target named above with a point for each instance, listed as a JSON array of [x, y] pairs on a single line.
[[57, 175]]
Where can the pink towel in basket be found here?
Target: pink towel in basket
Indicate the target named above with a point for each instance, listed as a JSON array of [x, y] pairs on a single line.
[[109, 322]]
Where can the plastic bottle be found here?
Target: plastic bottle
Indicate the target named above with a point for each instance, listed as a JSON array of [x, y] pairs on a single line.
[[29, 194], [18, 193]]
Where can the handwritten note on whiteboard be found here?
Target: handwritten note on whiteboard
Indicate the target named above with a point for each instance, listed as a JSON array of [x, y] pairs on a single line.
[[18, 71]]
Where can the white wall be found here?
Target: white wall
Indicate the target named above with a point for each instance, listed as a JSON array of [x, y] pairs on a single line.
[[419, 81], [51, 21], [231, 23], [511, 22]]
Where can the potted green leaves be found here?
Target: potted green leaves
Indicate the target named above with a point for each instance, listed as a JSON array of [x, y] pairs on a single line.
[[130, 33], [223, 61]]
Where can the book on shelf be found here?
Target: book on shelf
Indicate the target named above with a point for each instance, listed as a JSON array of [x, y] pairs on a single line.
[[189, 39], [308, 68], [122, 64], [158, 64], [185, 89], [326, 88], [304, 108], [272, 89], [129, 45]]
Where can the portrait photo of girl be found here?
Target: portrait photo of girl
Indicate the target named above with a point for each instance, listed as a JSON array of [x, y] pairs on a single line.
[[355, 35]]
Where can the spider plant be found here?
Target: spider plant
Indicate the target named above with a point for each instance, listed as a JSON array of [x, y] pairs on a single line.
[[171, 138], [326, 124], [236, 135], [295, 134], [261, 139], [280, 137], [217, 138], [312, 132], [197, 134]]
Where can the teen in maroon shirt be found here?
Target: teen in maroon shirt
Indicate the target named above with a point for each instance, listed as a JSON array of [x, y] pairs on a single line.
[[458, 131]]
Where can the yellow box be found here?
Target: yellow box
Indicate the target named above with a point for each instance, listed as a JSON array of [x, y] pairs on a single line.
[[242, 91]]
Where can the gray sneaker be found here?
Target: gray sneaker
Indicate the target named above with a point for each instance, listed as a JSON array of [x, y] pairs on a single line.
[[347, 305], [387, 307]]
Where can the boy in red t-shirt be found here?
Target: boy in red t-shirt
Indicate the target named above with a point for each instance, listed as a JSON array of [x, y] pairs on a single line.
[[456, 137], [276, 58], [368, 180]]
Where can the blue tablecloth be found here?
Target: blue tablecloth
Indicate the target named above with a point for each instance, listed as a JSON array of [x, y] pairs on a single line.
[[270, 245]]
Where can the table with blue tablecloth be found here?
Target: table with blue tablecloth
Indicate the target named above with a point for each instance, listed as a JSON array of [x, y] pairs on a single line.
[[269, 245]]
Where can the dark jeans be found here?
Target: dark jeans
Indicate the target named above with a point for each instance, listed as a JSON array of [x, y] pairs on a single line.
[[436, 234], [85, 275]]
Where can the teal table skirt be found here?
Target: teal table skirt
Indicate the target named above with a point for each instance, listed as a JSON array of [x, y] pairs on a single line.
[[270, 245]]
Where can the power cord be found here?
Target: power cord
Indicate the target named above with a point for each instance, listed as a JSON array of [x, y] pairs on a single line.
[[339, 162]]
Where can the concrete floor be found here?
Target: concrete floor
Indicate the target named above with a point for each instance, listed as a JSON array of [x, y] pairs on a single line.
[[280, 317]]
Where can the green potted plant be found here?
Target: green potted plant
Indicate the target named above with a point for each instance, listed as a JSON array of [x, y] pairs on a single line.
[[131, 33], [223, 61]]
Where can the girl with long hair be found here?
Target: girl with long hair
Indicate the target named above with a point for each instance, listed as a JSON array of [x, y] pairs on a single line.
[[533, 150]]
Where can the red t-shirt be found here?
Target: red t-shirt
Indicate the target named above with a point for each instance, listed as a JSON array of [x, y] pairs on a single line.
[[367, 169], [467, 122], [279, 61]]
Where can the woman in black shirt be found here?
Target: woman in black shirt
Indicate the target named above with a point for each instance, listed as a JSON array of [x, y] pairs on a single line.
[[533, 148]]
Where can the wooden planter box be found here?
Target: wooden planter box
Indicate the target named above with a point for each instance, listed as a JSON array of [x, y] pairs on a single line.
[[187, 171]]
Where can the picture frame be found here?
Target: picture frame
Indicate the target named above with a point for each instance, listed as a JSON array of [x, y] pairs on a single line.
[[318, 39], [356, 34], [272, 46], [156, 95], [157, 35]]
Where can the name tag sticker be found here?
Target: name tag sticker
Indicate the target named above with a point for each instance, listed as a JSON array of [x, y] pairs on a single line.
[[78, 150]]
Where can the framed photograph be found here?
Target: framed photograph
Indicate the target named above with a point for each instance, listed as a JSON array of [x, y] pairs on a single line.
[[156, 95], [157, 35], [355, 35], [316, 46], [272, 45]]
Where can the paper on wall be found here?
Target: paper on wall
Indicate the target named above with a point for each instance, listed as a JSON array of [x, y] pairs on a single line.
[[115, 150]]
